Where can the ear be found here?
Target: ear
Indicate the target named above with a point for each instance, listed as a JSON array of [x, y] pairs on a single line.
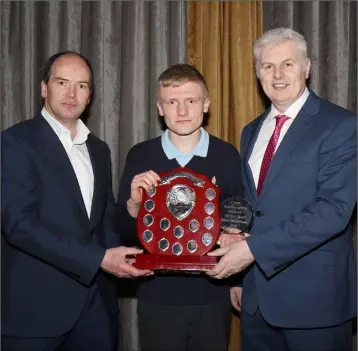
[[43, 89], [206, 105], [160, 109], [308, 67]]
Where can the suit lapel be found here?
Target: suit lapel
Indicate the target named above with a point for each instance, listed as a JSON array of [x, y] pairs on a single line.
[[98, 166], [297, 130], [52, 149], [252, 137]]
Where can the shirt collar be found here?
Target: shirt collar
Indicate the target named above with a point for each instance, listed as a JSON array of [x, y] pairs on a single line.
[[172, 152], [292, 110], [60, 130]]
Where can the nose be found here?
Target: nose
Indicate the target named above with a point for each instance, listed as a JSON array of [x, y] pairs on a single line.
[[277, 73], [72, 90], [182, 109]]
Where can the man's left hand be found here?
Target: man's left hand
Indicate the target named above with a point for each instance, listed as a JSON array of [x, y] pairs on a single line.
[[235, 258]]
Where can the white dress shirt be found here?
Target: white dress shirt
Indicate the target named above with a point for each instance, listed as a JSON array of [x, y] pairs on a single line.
[[268, 127], [78, 155]]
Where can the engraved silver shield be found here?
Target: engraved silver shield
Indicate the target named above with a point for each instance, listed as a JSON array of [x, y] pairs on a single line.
[[180, 201]]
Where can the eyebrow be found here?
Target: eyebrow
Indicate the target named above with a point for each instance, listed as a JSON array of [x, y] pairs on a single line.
[[270, 63], [67, 80], [186, 98]]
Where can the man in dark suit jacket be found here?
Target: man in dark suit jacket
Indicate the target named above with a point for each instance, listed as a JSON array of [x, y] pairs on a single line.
[[299, 290], [59, 241]]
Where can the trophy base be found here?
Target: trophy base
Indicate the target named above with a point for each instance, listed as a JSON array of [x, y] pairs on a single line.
[[172, 264]]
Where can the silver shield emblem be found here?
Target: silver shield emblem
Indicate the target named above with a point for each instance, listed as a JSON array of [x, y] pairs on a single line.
[[180, 201]]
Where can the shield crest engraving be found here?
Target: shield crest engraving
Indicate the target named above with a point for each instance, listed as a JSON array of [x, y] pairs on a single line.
[[180, 201]]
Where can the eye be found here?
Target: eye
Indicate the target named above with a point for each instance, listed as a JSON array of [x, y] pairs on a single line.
[[288, 64], [61, 82], [267, 67], [171, 102], [83, 86]]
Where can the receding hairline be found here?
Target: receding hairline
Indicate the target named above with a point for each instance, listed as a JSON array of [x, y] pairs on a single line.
[[54, 59], [71, 55]]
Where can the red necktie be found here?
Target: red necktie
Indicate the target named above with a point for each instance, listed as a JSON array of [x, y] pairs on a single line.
[[270, 150]]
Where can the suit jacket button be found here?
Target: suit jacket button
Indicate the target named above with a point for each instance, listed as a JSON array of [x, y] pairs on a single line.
[[92, 233], [259, 213]]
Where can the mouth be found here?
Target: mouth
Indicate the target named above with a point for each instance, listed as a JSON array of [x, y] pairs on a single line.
[[183, 121], [280, 86], [68, 104]]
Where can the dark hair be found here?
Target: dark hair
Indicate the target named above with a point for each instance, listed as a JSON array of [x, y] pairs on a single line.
[[46, 73], [179, 74]]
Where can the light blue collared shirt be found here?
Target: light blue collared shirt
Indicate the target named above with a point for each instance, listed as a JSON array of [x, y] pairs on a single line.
[[183, 158]]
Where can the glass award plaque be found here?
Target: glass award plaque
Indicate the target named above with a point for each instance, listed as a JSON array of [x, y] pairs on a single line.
[[179, 222], [236, 212], [236, 219]]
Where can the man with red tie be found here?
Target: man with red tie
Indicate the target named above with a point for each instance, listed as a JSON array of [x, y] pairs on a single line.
[[299, 168]]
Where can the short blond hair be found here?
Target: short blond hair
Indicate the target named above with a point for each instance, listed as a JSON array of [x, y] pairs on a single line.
[[179, 74]]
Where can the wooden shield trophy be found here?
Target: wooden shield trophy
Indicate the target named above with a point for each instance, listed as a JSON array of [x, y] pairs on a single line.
[[178, 223]]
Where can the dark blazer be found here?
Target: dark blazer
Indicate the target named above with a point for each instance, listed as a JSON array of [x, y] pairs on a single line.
[[305, 270], [51, 251]]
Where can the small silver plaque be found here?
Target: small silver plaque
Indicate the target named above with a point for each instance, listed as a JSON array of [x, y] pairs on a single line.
[[210, 194], [148, 220], [194, 225], [208, 222], [177, 249], [149, 205], [209, 208], [152, 191], [147, 236], [164, 224], [163, 244], [207, 239], [178, 231], [192, 246]]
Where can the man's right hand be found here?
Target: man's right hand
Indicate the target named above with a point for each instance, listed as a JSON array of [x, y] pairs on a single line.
[[235, 297], [146, 181], [118, 261], [229, 235]]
